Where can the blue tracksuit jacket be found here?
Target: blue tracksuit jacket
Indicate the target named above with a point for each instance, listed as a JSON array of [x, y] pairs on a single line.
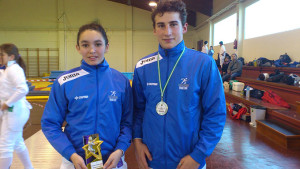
[[196, 116], [91, 99]]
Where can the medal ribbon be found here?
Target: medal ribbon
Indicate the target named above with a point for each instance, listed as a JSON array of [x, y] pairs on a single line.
[[163, 90]]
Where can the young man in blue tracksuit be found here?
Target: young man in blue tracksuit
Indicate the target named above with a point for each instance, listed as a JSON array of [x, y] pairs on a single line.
[[92, 99], [179, 103]]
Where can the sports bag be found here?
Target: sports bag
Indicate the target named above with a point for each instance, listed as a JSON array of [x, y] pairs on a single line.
[[273, 98]]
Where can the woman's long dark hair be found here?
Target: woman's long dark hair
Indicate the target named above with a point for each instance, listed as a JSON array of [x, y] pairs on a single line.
[[12, 49]]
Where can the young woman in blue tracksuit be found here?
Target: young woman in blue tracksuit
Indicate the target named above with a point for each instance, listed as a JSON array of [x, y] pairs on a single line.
[[92, 99], [179, 102]]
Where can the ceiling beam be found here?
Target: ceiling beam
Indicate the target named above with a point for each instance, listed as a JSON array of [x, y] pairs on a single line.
[[202, 6]]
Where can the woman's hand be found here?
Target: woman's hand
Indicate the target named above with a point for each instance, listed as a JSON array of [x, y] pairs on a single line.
[[188, 162], [113, 159], [78, 161]]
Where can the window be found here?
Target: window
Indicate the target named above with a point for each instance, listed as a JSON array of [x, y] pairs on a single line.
[[225, 30], [271, 16]]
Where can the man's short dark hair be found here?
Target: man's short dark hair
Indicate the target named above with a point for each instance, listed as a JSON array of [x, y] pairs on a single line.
[[205, 42], [170, 6], [221, 42], [234, 55]]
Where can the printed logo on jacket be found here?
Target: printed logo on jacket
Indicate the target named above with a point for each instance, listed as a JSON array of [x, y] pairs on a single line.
[[71, 76], [183, 85], [81, 97], [112, 97], [148, 60]]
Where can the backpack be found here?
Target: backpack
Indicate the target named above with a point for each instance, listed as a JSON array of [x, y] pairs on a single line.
[[250, 64], [275, 78], [256, 93], [242, 60], [264, 62], [273, 98], [285, 59], [291, 79], [240, 110]]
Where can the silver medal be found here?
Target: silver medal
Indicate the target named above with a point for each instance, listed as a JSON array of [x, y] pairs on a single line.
[[161, 108]]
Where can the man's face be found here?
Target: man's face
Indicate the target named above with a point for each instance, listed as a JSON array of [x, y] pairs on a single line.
[[169, 30], [233, 57]]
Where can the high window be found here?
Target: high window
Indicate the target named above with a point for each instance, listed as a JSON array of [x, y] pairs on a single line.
[[271, 16], [225, 30]]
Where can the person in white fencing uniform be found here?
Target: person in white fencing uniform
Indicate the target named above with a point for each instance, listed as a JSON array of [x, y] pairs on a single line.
[[15, 110], [205, 48], [222, 53]]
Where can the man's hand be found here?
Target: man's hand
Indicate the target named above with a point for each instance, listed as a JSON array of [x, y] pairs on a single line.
[[4, 106], [188, 162], [141, 151], [78, 161], [113, 159]]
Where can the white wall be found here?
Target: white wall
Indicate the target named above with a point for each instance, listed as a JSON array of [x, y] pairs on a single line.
[[270, 46], [54, 24]]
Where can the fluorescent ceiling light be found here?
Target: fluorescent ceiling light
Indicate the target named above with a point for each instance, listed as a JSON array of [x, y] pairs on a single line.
[[152, 3]]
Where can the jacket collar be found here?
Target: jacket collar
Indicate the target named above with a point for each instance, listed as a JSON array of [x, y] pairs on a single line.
[[173, 52], [87, 67], [9, 63]]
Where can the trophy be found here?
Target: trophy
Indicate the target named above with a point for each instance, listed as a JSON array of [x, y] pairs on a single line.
[[92, 149]]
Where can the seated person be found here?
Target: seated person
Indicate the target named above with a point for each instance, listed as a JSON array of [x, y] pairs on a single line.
[[225, 65], [234, 69]]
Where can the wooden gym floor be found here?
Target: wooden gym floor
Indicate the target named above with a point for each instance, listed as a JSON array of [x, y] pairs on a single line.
[[239, 148]]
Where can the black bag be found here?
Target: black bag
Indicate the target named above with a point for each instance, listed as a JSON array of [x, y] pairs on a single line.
[[256, 93], [285, 79], [236, 107], [264, 62], [250, 64], [275, 78], [290, 79], [242, 60], [285, 59]]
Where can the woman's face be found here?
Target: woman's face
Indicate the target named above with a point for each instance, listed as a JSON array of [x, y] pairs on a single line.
[[4, 58], [92, 47]]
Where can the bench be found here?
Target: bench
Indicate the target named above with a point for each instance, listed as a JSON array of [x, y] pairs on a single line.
[[253, 72], [281, 125], [290, 94], [286, 137]]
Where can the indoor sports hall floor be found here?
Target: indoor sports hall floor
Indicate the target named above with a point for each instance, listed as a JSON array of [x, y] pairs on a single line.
[[239, 148]]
